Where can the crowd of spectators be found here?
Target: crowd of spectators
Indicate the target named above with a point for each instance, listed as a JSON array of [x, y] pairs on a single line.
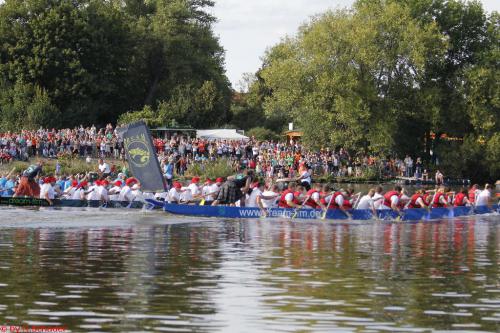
[[267, 158], [45, 143]]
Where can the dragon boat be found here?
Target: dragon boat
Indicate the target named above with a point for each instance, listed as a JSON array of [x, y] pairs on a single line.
[[316, 214], [249, 213], [36, 202]]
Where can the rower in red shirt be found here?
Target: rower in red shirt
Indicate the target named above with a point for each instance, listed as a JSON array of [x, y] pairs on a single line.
[[313, 197], [461, 198], [288, 198], [417, 200]]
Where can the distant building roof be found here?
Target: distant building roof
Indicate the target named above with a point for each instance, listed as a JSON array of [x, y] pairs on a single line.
[[294, 133], [224, 134], [173, 129]]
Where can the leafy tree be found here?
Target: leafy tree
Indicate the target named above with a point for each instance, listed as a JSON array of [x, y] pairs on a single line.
[[351, 77], [98, 59], [26, 106], [146, 114], [261, 133]]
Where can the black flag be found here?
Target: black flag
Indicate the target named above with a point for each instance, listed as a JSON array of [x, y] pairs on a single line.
[[141, 156]]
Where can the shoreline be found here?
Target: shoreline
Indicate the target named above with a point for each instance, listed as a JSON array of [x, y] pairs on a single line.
[[77, 165]]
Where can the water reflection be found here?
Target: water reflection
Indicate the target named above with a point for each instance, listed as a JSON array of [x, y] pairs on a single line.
[[249, 276]]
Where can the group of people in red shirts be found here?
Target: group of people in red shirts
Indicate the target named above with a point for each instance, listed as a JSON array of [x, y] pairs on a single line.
[[322, 197]]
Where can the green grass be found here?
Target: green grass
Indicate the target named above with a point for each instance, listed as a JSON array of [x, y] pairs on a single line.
[[211, 169], [69, 166]]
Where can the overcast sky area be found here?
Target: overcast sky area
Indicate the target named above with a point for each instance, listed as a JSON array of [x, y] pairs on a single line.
[[246, 28]]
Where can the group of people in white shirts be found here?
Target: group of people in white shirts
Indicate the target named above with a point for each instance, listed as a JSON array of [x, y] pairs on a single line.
[[193, 192], [126, 189], [260, 196]]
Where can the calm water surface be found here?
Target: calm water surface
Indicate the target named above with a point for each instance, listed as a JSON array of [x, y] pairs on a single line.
[[116, 271]]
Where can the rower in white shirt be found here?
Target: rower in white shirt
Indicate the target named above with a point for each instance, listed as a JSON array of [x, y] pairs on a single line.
[[484, 197], [174, 195], [257, 197], [186, 197], [102, 190], [378, 198], [80, 191], [47, 191], [126, 192], [273, 192], [206, 191], [114, 192], [68, 193], [366, 202], [193, 187], [137, 193], [161, 196], [92, 193]]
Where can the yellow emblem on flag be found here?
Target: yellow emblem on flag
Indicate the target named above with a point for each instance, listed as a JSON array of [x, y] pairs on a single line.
[[137, 150]]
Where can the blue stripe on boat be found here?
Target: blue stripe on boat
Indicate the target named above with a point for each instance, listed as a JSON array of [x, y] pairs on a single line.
[[357, 214]]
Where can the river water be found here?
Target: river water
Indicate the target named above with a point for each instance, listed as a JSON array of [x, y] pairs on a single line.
[[130, 271]]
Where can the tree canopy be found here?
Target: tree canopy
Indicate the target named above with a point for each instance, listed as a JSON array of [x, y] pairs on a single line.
[[389, 76], [93, 60]]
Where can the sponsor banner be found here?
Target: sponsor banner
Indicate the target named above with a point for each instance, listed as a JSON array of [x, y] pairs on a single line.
[[141, 156], [300, 214]]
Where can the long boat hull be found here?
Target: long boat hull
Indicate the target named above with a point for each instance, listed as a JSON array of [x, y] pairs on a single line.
[[245, 212], [315, 214], [36, 202]]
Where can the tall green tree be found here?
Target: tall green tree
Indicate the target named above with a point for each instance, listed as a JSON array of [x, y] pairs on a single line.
[[76, 51], [351, 77], [98, 59]]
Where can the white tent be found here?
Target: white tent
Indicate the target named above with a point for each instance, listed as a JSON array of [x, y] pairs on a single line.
[[222, 134]]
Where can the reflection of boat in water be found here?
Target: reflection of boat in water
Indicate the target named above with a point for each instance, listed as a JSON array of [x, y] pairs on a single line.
[[316, 214]]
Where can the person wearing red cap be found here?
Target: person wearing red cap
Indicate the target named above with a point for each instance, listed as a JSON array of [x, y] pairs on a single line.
[[126, 192], [68, 193], [92, 192], [194, 188], [114, 191], [137, 193], [255, 199], [216, 186], [174, 195], [102, 190], [47, 190], [80, 191], [206, 192]]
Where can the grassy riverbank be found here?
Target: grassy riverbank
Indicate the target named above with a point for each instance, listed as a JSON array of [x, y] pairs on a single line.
[[67, 166], [208, 169]]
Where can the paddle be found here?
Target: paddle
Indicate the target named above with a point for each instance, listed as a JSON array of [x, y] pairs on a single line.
[[323, 216], [300, 207], [11, 171], [358, 197], [399, 217]]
